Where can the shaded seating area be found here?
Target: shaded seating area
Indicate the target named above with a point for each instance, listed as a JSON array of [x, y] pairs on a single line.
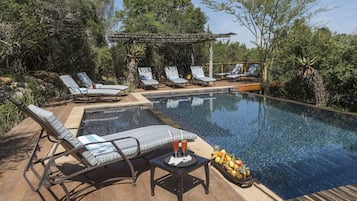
[[146, 78], [173, 78], [90, 152], [80, 92], [86, 81], [198, 76]]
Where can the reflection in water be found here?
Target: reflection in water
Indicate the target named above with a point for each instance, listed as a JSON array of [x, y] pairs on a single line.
[[116, 120], [293, 149]]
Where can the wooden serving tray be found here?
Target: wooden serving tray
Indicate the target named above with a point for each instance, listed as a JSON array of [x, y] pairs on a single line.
[[243, 183]]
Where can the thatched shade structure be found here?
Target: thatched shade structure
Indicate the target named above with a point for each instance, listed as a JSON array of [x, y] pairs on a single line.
[[183, 38], [188, 38]]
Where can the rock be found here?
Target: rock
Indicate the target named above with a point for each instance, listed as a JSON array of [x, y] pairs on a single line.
[[6, 80]]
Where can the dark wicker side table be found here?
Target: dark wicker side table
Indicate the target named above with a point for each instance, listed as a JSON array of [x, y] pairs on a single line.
[[178, 181]]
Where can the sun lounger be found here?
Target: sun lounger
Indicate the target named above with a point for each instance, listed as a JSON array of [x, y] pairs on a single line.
[[76, 91], [146, 78], [91, 152], [198, 75], [90, 84], [173, 76], [250, 73], [236, 70]]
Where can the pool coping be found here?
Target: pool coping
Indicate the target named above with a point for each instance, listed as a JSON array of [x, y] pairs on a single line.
[[257, 192]]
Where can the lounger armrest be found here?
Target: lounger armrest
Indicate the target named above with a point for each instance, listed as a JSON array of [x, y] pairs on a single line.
[[119, 150]]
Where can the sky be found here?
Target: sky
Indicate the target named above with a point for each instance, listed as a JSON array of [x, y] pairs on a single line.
[[342, 18]]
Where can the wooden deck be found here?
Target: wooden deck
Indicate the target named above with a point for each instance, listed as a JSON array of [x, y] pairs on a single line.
[[20, 138]]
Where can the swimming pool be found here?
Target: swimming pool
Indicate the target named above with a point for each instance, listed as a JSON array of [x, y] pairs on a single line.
[[292, 149], [113, 120]]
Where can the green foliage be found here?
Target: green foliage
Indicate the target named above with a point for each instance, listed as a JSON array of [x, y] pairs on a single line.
[[119, 59], [137, 51], [50, 35], [335, 63], [103, 62]]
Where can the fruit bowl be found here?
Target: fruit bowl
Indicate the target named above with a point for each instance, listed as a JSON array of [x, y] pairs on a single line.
[[232, 168]]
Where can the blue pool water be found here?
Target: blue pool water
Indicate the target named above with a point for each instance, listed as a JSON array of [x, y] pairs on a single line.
[[107, 121], [292, 149]]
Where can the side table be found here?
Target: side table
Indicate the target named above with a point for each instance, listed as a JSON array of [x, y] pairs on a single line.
[[178, 180]]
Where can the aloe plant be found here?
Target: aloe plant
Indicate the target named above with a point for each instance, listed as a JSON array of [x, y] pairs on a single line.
[[134, 55], [313, 77], [307, 71]]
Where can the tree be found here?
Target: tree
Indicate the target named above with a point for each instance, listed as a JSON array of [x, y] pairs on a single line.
[[50, 35], [267, 20]]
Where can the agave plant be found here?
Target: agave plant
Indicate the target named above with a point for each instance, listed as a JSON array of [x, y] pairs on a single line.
[[134, 55], [313, 77], [307, 71]]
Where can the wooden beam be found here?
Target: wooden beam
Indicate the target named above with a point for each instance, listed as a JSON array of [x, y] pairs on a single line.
[[165, 38]]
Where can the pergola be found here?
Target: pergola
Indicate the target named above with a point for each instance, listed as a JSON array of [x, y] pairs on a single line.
[[184, 38], [188, 38]]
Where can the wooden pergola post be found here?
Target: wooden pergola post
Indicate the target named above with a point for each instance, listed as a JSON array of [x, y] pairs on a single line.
[[210, 67]]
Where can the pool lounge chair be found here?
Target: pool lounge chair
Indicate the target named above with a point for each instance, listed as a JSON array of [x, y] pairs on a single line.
[[236, 70], [80, 92], [146, 78], [90, 84], [173, 76], [253, 69], [198, 76], [91, 152]]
